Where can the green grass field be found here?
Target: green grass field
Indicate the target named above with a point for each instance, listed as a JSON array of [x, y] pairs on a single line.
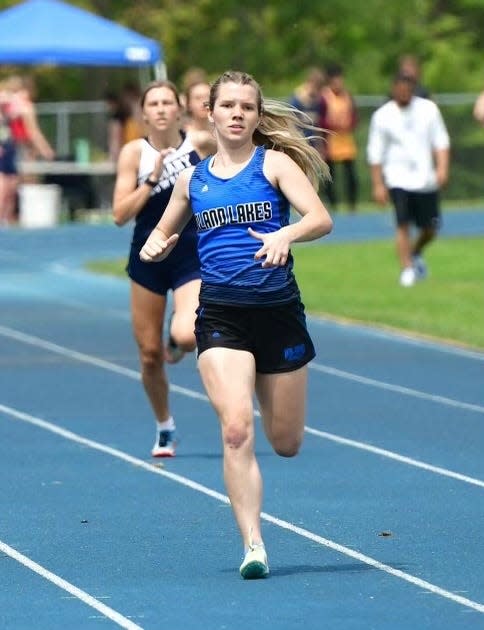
[[359, 282]]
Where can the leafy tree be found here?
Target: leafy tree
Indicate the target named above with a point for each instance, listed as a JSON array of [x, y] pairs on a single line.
[[278, 39]]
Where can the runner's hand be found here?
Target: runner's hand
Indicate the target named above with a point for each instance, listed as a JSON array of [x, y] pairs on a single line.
[[160, 158], [158, 246], [275, 247]]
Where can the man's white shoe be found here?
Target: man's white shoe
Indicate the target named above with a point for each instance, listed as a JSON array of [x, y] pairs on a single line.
[[408, 277], [255, 565]]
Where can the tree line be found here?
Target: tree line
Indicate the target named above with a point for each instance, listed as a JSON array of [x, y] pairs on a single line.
[[276, 40]]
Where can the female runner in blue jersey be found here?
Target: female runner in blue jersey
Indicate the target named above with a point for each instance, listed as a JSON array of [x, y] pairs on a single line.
[[250, 328], [146, 173]]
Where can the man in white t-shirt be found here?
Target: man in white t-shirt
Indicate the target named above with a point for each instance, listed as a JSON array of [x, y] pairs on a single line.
[[408, 152]]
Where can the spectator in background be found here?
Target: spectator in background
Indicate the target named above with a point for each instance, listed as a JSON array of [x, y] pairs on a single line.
[[339, 117], [20, 136], [478, 111], [408, 153], [307, 99], [409, 66], [8, 165], [115, 125], [133, 124], [196, 107], [24, 125], [192, 76]]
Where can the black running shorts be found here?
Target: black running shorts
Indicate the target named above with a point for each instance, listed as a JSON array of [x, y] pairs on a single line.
[[170, 273], [277, 336]]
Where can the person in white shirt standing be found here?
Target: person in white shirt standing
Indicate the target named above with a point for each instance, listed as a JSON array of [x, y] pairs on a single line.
[[408, 152]]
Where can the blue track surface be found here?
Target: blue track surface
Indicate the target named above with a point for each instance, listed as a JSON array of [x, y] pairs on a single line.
[[376, 525]]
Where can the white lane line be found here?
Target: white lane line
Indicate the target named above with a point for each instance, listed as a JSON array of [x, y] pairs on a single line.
[[397, 336], [114, 452], [107, 365], [395, 456], [356, 555], [86, 358], [185, 481], [407, 391], [106, 611], [133, 374]]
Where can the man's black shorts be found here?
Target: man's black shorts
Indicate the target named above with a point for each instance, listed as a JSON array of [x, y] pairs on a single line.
[[419, 208], [276, 335]]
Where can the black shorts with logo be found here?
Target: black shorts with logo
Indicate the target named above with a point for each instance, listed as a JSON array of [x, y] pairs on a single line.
[[419, 208], [277, 336]]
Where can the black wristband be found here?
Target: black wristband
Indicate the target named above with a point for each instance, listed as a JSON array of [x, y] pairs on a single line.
[[150, 182]]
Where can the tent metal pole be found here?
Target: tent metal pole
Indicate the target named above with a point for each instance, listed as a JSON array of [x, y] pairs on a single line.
[[159, 70]]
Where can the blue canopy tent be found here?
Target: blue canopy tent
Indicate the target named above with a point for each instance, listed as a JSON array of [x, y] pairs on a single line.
[[53, 32]]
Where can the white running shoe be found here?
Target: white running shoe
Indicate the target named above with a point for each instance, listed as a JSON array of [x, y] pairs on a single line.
[[408, 277], [255, 565], [420, 267], [164, 445]]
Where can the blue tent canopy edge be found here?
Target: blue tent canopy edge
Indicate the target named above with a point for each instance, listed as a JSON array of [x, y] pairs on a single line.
[[54, 32]]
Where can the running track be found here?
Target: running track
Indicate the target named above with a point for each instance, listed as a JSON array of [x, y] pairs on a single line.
[[376, 525]]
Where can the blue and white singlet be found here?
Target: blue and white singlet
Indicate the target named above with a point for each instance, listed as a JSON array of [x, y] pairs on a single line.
[[224, 209], [147, 219]]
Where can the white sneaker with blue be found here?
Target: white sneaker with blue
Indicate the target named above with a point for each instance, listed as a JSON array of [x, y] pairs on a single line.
[[420, 267], [254, 565], [165, 444]]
